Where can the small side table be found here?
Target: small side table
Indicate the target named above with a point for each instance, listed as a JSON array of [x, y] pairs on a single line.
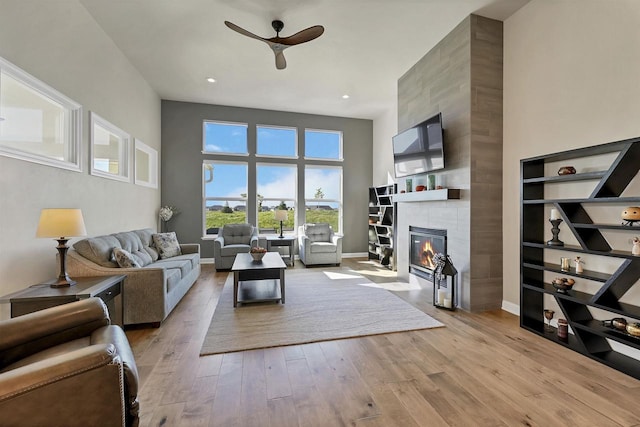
[[41, 296], [288, 241]]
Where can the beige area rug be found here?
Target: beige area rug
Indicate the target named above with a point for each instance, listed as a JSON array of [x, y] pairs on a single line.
[[321, 305]]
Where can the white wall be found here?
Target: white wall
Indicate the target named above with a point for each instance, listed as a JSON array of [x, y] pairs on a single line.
[[385, 127], [59, 43], [571, 79]]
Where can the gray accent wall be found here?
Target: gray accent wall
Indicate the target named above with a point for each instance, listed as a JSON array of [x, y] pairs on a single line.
[[182, 157], [462, 78]]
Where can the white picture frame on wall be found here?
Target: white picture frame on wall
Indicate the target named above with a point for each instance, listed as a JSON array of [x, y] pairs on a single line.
[[145, 165], [110, 147]]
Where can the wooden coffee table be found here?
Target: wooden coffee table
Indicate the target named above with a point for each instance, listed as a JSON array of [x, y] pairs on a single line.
[[258, 281]]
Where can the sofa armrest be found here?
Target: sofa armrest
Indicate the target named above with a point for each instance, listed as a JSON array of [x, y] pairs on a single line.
[[190, 248], [218, 244], [28, 334], [33, 393]]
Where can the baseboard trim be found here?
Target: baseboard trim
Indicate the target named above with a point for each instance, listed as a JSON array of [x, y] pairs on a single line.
[[511, 307], [207, 261], [354, 255]]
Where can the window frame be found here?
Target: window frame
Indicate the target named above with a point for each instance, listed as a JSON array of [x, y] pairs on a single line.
[[325, 159], [273, 156], [73, 122], [224, 123], [339, 202], [206, 236], [294, 167], [124, 149]]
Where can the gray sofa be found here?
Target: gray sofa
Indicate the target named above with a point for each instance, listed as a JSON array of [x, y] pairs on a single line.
[[152, 290]]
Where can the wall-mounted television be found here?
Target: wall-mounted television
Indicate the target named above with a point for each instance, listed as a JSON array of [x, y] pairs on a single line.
[[420, 148]]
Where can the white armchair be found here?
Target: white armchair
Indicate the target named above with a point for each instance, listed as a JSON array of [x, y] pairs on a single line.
[[318, 244], [233, 239]]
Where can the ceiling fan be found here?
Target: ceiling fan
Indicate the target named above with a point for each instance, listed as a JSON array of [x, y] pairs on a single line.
[[279, 44]]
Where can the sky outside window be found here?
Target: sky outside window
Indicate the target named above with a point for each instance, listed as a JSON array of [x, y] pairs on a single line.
[[322, 144], [229, 180], [274, 141], [227, 138]]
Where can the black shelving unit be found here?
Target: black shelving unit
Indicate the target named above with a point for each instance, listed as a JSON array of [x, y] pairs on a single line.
[[382, 223], [589, 336]]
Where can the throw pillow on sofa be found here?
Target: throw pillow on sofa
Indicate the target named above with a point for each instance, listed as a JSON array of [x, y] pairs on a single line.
[[167, 244], [124, 258]]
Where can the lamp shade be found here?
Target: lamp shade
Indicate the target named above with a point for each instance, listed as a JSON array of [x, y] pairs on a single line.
[[281, 215], [58, 223]]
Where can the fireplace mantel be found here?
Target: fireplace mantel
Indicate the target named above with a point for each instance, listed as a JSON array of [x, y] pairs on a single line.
[[427, 196]]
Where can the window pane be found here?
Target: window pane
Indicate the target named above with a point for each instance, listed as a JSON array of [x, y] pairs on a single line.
[[228, 138], [36, 122], [323, 144], [274, 141], [225, 191], [323, 195], [276, 186], [323, 212]]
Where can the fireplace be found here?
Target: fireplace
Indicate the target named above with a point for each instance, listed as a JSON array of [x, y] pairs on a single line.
[[424, 244]]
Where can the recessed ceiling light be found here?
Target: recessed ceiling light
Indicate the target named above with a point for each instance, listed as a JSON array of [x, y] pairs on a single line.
[[211, 80], [345, 96]]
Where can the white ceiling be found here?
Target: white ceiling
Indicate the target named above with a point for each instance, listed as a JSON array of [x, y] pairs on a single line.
[[367, 45]]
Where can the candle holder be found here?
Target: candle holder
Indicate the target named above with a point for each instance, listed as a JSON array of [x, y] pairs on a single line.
[[555, 230]]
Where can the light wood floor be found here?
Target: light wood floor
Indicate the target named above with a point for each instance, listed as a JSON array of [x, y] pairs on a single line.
[[481, 369]]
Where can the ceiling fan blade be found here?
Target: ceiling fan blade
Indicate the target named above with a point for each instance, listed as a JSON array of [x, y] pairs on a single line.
[[281, 63], [244, 32], [303, 36]]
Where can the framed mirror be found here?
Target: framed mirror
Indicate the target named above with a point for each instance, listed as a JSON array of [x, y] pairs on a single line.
[[145, 165], [109, 150]]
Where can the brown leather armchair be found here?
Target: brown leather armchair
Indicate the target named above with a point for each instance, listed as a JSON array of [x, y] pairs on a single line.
[[67, 365]]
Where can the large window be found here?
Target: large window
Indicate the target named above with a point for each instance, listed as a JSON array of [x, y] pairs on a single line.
[[225, 194], [276, 190], [322, 144], [37, 123], [224, 138], [323, 195], [276, 142], [250, 173]]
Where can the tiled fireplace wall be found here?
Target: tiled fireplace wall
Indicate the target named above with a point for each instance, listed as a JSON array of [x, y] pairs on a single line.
[[462, 78]]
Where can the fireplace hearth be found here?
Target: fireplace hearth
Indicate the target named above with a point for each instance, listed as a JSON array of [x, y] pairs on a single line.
[[424, 244]]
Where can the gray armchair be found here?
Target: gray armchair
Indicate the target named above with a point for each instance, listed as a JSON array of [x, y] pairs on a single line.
[[233, 239], [67, 365], [318, 244]]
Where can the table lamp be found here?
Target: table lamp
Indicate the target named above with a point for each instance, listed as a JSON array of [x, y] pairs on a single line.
[[61, 224], [281, 215]]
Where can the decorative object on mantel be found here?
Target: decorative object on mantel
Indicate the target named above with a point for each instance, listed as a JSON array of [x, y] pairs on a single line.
[[431, 182], [420, 187], [635, 249], [444, 282], [567, 170], [61, 224], [555, 221], [579, 262], [548, 314], [165, 214], [631, 215], [409, 185]]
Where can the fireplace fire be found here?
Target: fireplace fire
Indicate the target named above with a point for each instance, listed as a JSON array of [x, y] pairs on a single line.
[[425, 243]]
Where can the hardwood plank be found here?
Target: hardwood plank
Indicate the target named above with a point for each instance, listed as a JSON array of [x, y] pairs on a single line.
[[481, 369]]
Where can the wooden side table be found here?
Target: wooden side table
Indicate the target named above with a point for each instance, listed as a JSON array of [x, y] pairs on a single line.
[[41, 296], [288, 241]]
